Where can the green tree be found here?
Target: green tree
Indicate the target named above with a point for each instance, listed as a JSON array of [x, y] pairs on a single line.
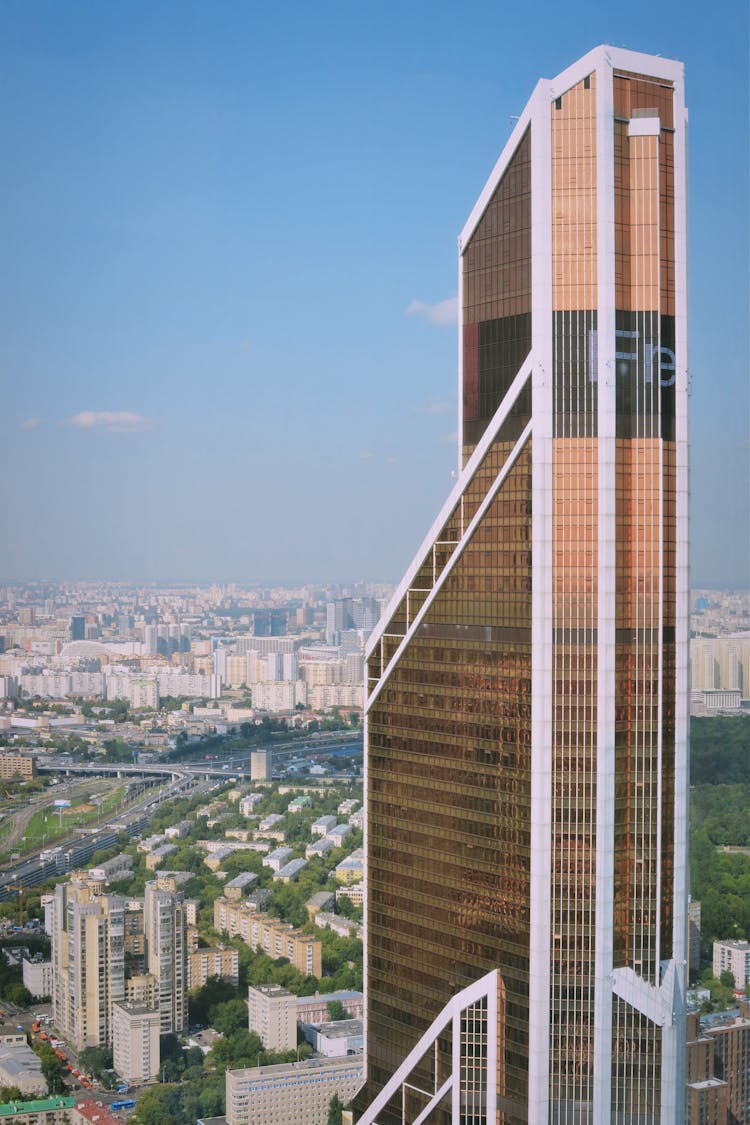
[[51, 1066], [95, 1059], [202, 1001], [229, 1017], [160, 1106], [335, 1110]]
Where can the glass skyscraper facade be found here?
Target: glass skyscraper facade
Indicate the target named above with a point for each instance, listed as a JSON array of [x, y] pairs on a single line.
[[527, 687]]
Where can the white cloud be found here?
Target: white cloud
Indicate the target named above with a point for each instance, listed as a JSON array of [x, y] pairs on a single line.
[[436, 406], [444, 312], [30, 423], [115, 421], [367, 455], [450, 439]]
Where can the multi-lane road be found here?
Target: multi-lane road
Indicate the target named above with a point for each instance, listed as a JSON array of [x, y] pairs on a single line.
[[179, 778]]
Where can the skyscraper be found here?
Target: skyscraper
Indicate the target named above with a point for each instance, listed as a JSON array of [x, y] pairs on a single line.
[[88, 960], [527, 686], [165, 926]]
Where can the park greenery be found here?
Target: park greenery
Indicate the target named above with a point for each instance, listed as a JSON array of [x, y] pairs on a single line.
[[720, 822]]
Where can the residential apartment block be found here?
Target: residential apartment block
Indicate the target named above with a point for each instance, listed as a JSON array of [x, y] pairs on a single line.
[[734, 957], [135, 1042], [272, 1013], [108, 950], [261, 931], [17, 765], [205, 963]]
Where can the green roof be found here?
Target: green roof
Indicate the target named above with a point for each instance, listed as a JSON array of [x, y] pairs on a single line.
[[10, 1109]]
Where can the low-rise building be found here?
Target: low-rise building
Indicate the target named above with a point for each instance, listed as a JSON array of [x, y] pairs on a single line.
[[339, 833], [277, 858], [320, 848], [323, 825], [321, 900], [351, 869], [20, 1066], [355, 892], [155, 858], [238, 886], [214, 860], [248, 803], [178, 831], [93, 1113], [340, 925], [172, 880], [118, 867], [336, 1038], [290, 871], [299, 1092], [314, 1009], [270, 821], [243, 834], [39, 1111]]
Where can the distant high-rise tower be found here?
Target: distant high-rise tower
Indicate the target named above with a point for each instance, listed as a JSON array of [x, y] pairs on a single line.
[[527, 686], [78, 628]]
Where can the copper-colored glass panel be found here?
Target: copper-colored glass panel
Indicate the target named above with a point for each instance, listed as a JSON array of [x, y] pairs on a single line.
[[449, 799]]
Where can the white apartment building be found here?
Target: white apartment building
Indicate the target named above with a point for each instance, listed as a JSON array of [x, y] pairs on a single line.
[[277, 858], [37, 977], [248, 803], [135, 1042], [293, 1092], [272, 1014], [733, 956], [323, 698], [355, 892], [281, 696], [144, 692], [323, 825], [721, 662]]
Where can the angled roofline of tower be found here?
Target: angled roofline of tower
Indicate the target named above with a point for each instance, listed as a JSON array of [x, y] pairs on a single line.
[[547, 89], [523, 373]]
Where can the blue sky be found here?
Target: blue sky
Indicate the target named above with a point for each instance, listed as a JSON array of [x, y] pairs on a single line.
[[215, 218]]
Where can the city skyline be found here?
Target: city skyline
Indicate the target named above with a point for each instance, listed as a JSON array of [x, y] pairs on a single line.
[[229, 249]]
